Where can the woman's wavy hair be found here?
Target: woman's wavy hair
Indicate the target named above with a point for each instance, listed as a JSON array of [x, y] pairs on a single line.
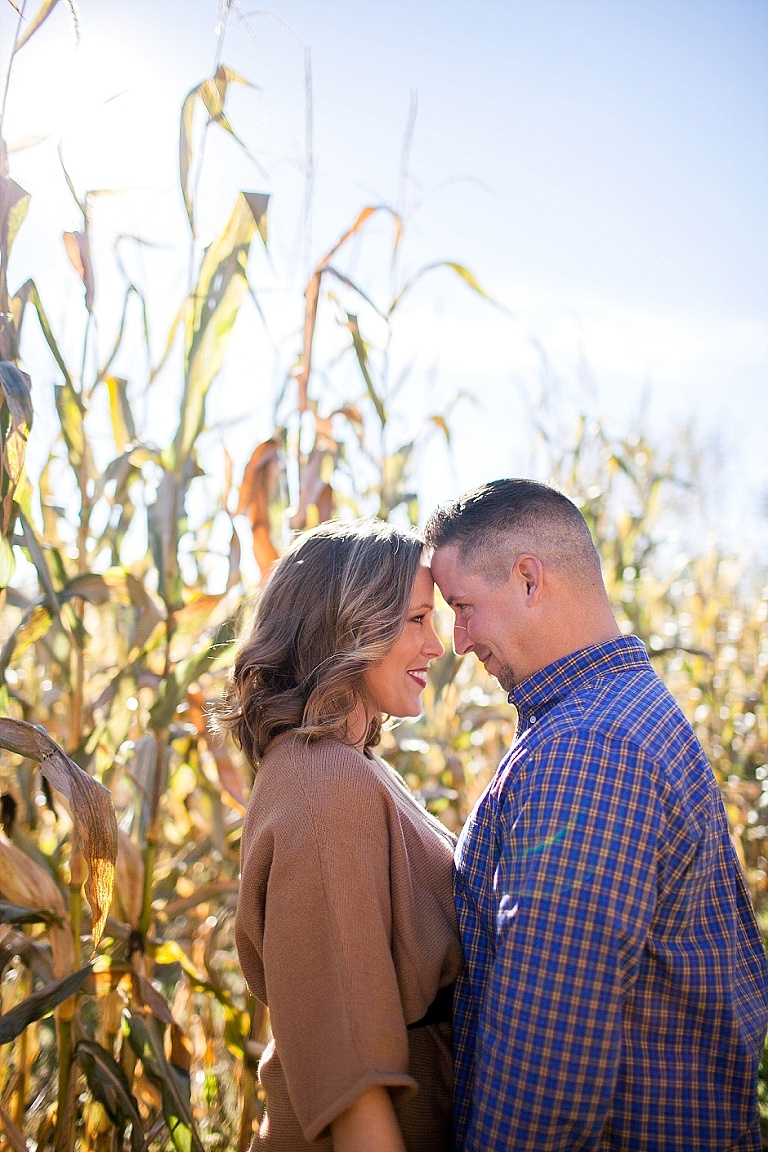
[[333, 606]]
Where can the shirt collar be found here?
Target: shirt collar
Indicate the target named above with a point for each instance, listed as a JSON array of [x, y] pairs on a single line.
[[564, 676]]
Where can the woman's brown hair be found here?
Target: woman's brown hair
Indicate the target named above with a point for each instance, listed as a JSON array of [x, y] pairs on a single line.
[[334, 604]]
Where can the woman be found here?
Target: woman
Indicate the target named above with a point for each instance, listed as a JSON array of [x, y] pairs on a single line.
[[345, 922]]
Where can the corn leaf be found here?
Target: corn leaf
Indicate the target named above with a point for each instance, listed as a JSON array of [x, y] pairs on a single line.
[[165, 523], [123, 427], [146, 1041], [219, 292], [255, 495], [34, 954], [115, 586], [7, 562], [72, 419], [16, 400], [40, 16], [13, 1134], [40, 1004], [173, 688], [361, 353], [28, 294], [312, 295], [108, 974], [211, 94], [109, 1085], [460, 271], [92, 811], [14, 205], [15, 914], [79, 252]]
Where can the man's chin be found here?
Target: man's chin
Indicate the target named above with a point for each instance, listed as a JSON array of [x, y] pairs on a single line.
[[505, 677]]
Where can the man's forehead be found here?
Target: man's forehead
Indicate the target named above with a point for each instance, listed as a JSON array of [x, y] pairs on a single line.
[[452, 569]]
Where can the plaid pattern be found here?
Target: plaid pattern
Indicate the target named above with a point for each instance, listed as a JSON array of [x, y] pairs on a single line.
[[615, 989]]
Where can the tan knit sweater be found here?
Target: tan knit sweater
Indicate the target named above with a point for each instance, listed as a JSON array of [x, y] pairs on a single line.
[[346, 930]]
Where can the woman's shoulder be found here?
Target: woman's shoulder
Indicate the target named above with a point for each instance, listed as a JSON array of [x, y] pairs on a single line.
[[292, 762]]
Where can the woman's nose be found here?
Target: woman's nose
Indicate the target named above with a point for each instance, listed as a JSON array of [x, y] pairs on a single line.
[[435, 646]]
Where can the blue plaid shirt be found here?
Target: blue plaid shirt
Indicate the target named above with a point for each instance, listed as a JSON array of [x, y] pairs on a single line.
[[615, 988]]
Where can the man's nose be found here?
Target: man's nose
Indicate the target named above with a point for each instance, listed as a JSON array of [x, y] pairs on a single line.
[[461, 641]]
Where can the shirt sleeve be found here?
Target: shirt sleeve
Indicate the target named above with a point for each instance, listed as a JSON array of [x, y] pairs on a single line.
[[575, 891], [331, 984]]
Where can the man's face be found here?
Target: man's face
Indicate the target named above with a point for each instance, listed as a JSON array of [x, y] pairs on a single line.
[[492, 617]]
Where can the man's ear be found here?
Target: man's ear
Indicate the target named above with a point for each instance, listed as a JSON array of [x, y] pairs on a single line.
[[530, 572]]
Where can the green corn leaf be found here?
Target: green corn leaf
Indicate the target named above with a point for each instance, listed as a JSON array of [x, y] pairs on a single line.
[[7, 562], [212, 656], [145, 1038], [28, 294], [34, 623], [219, 292], [40, 1004], [115, 586], [72, 419], [165, 523], [361, 353], [109, 1085], [13, 914], [464, 273]]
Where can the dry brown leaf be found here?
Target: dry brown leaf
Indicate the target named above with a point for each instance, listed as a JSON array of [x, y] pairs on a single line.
[[129, 880], [23, 881], [255, 492], [78, 250], [93, 813]]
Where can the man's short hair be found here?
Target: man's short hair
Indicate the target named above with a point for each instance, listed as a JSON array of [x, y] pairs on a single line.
[[491, 521]]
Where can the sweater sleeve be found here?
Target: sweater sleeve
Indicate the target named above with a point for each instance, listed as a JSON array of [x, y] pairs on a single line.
[[331, 985]]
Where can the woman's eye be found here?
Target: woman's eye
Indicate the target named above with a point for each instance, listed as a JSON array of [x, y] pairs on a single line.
[[417, 619]]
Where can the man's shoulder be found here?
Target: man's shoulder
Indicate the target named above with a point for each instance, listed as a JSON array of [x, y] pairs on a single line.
[[630, 704]]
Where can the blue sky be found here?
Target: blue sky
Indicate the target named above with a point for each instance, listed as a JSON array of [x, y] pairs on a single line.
[[600, 165]]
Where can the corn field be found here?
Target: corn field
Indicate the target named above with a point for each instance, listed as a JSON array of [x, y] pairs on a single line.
[[124, 1019]]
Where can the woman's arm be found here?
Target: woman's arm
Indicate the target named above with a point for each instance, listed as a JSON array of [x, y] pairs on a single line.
[[368, 1125]]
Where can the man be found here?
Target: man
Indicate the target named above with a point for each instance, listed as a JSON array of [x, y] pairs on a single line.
[[615, 989]]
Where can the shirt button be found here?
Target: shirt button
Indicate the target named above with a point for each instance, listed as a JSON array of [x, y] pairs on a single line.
[[532, 719]]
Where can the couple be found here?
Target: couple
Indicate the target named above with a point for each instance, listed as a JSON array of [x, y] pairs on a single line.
[[610, 983]]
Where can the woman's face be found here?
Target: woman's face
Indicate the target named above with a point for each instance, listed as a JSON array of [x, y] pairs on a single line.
[[395, 685]]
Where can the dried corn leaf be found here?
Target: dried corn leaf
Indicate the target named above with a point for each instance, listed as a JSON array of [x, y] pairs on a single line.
[[40, 16], [15, 394], [13, 1134], [78, 250], [93, 813], [25, 882], [256, 491], [129, 880]]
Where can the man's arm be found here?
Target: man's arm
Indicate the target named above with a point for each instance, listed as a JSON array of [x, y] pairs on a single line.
[[575, 891]]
